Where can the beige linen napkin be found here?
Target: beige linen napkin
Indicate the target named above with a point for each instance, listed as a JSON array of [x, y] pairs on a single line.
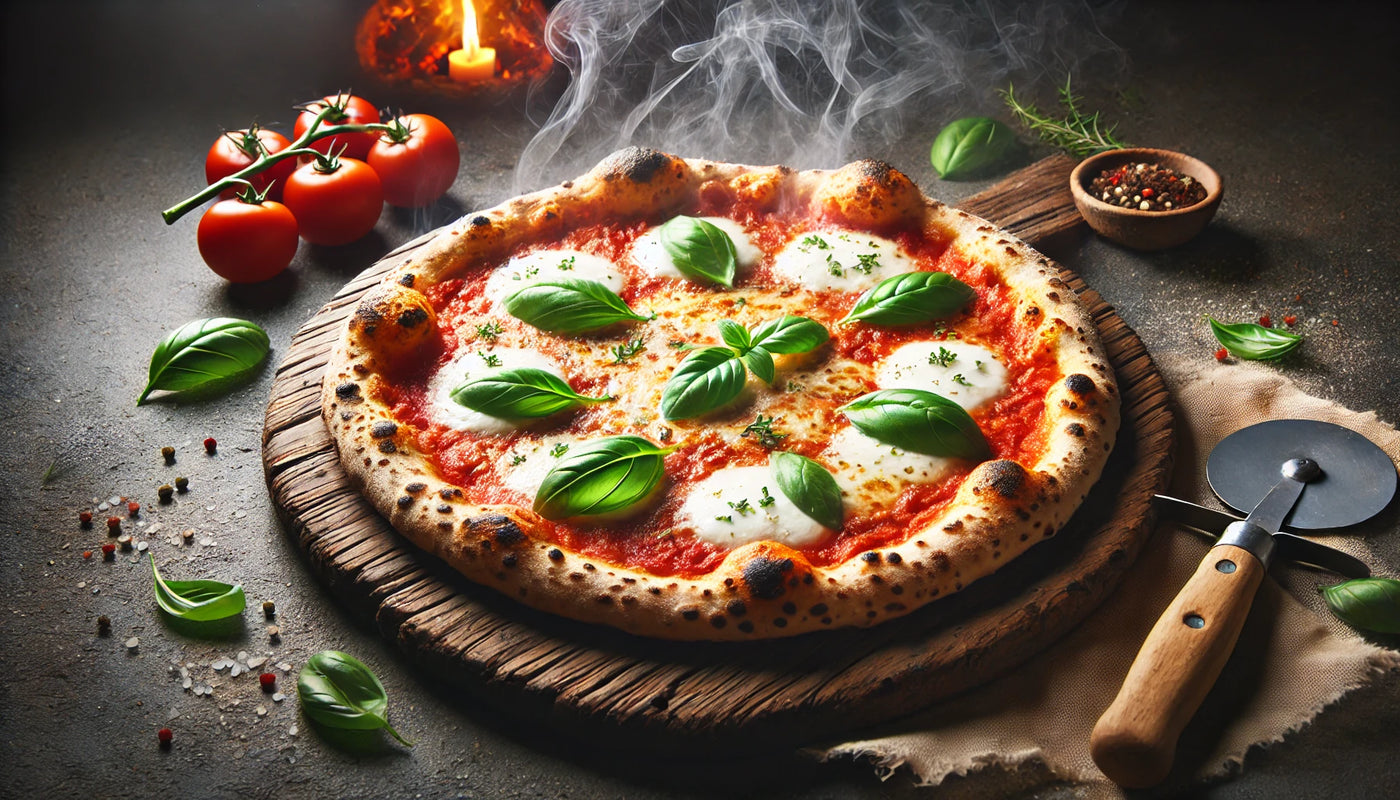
[[1292, 660]]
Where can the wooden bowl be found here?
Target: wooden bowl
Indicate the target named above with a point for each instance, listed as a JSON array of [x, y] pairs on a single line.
[[1145, 230]]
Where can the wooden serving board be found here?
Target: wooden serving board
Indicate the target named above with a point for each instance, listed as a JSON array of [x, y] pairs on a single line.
[[721, 697]]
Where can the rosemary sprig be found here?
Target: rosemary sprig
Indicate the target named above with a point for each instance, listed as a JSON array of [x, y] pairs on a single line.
[[624, 352], [1077, 133], [762, 429]]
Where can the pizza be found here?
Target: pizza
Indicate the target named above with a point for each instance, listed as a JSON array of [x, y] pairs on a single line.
[[709, 401]]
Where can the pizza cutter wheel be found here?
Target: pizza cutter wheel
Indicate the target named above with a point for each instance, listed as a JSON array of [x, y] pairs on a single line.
[[1315, 475]]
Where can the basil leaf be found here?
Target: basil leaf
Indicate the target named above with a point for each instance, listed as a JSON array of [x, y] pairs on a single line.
[[735, 335], [760, 363], [197, 601], [1254, 342], [791, 334], [809, 486], [910, 298], [700, 250], [920, 421], [1372, 604], [338, 691], [569, 306], [971, 146], [203, 353], [600, 477], [705, 380], [524, 393]]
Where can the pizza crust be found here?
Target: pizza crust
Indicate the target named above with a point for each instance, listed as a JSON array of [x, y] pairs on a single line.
[[762, 589]]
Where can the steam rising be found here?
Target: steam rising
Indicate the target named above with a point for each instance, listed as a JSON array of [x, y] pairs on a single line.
[[808, 83]]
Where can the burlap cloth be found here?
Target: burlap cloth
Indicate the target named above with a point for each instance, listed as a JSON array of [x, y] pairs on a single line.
[[1292, 660]]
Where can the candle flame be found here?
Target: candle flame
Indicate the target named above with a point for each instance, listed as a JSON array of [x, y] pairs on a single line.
[[471, 42]]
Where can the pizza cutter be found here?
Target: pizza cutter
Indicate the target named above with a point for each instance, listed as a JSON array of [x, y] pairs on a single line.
[[1312, 475]]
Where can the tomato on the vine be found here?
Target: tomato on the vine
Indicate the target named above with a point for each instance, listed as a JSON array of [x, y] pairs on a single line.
[[416, 161], [235, 150], [349, 110], [335, 200], [248, 239]]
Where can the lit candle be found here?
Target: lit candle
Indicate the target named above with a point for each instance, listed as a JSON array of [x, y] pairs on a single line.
[[473, 62]]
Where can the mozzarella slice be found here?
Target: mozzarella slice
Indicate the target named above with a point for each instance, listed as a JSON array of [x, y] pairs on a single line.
[[872, 473], [525, 464], [716, 510], [652, 257], [842, 261], [550, 265], [966, 373], [478, 364]]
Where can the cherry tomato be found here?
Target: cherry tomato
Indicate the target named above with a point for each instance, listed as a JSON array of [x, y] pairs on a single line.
[[335, 200], [237, 149], [352, 110], [417, 162], [247, 242]]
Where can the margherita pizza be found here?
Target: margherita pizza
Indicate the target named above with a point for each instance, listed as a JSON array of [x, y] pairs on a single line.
[[697, 400]]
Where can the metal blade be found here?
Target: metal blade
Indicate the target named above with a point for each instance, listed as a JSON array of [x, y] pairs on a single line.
[[1276, 504]]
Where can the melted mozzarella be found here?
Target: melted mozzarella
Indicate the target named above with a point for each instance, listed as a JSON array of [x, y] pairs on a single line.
[[550, 265], [839, 260], [525, 464], [710, 510], [966, 373], [872, 473], [652, 257], [473, 365]]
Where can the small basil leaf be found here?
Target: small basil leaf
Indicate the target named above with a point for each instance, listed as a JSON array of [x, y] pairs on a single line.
[[601, 477], [1254, 342], [919, 421], [1371, 604], [338, 691], [203, 353], [971, 146], [809, 486], [197, 601], [791, 334], [525, 393], [910, 298], [700, 250], [705, 380], [735, 335], [760, 363], [570, 306]]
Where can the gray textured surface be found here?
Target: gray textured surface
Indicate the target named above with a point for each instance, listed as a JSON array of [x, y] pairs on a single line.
[[109, 109]]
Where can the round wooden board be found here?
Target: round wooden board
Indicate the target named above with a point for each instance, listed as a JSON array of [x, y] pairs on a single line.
[[714, 697]]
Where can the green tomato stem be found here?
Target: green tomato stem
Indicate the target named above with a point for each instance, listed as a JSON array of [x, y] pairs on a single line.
[[297, 148]]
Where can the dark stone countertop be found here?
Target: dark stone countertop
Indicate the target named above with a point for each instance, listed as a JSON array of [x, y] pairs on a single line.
[[109, 109]]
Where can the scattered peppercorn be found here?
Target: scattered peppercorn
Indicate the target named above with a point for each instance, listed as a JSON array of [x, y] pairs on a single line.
[[182, 484], [87, 554], [133, 509], [269, 609], [1146, 187], [268, 681], [169, 454], [210, 446], [188, 535], [164, 736], [1221, 354], [274, 634], [114, 526], [125, 541], [1289, 320], [109, 551], [165, 492], [1266, 321], [104, 625], [85, 519]]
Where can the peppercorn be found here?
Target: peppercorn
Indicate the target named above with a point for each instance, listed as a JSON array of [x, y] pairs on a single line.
[[165, 492], [164, 736], [85, 519], [1221, 354], [267, 681], [1289, 320], [87, 554], [269, 609], [1266, 321], [274, 634], [109, 551], [169, 454], [133, 509], [182, 484], [104, 625], [188, 535], [210, 446], [114, 526]]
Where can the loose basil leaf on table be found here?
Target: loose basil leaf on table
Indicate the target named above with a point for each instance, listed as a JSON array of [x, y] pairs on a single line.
[[1254, 342], [601, 477], [910, 298], [918, 421], [735, 335], [809, 486], [197, 601], [707, 379], [1371, 604], [971, 146], [524, 393], [337, 690], [570, 306], [205, 352], [790, 334], [700, 250], [760, 363]]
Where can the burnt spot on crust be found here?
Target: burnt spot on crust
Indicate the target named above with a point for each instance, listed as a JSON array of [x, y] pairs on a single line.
[[407, 280], [509, 533], [368, 316], [383, 428], [894, 558], [509, 560], [449, 492], [690, 614], [412, 318], [877, 171], [737, 608], [347, 390], [1079, 384], [718, 621], [415, 487], [870, 557], [765, 576], [1003, 477], [387, 446], [496, 527], [444, 508], [637, 164], [555, 554], [480, 221], [1075, 429], [404, 501]]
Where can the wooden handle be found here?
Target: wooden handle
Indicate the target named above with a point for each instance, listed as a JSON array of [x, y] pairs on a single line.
[[1134, 741]]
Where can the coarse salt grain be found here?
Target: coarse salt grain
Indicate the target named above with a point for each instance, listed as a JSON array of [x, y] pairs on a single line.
[[133, 643]]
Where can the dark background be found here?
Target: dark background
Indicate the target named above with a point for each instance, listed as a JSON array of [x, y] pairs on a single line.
[[109, 108]]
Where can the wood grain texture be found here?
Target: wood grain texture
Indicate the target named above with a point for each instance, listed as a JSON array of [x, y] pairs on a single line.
[[719, 697]]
